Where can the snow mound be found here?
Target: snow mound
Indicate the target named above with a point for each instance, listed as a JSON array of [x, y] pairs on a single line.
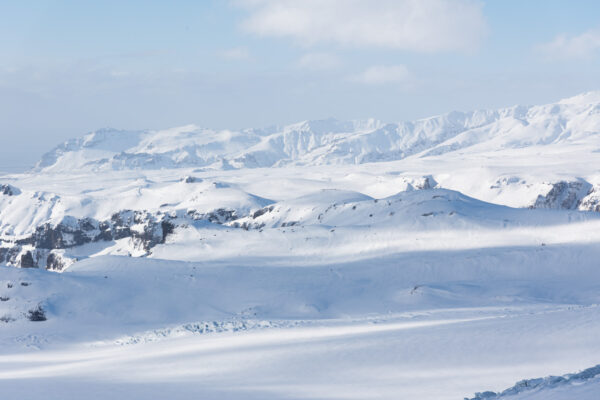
[[411, 210]]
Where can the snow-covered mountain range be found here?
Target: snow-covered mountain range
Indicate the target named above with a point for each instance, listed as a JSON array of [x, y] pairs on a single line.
[[323, 259], [573, 121]]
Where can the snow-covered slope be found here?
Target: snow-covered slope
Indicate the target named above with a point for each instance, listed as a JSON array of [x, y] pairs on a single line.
[[423, 322], [582, 385]]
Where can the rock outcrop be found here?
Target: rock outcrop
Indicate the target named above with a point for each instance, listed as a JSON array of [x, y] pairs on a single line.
[[591, 202], [9, 190], [45, 247], [145, 230], [564, 195]]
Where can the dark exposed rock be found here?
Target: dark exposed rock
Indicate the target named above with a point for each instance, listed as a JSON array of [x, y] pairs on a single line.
[[68, 233], [27, 260], [222, 215], [564, 195], [591, 202], [88, 224], [262, 211], [119, 224], [17, 256], [55, 263], [247, 225], [9, 190], [105, 233], [145, 229], [167, 229], [152, 229], [37, 314], [218, 216], [191, 179]]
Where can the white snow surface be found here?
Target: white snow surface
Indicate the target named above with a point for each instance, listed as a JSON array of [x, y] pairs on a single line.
[[433, 259]]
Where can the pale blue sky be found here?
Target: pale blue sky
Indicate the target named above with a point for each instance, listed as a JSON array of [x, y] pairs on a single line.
[[69, 67]]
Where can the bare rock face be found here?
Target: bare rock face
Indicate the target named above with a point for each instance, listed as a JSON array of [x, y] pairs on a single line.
[[145, 229], [69, 232], [564, 195], [45, 247], [27, 260], [262, 211], [591, 202], [10, 255], [148, 228], [218, 216], [57, 262]]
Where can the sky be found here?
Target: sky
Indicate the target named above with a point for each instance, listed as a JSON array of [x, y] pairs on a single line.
[[68, 67]]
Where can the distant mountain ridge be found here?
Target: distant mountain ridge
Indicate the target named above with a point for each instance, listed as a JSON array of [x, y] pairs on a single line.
[[572, 120]]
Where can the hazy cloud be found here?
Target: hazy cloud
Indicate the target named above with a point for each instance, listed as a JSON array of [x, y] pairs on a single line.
[[417, 25], [381, 74], [580, 46]]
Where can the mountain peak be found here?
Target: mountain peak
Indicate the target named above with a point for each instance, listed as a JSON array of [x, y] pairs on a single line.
[[592, 97]]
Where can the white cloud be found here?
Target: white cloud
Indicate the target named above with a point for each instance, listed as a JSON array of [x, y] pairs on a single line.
[[418, 25], [581, 46], [236, 53], [380, 74], [319, 61]]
